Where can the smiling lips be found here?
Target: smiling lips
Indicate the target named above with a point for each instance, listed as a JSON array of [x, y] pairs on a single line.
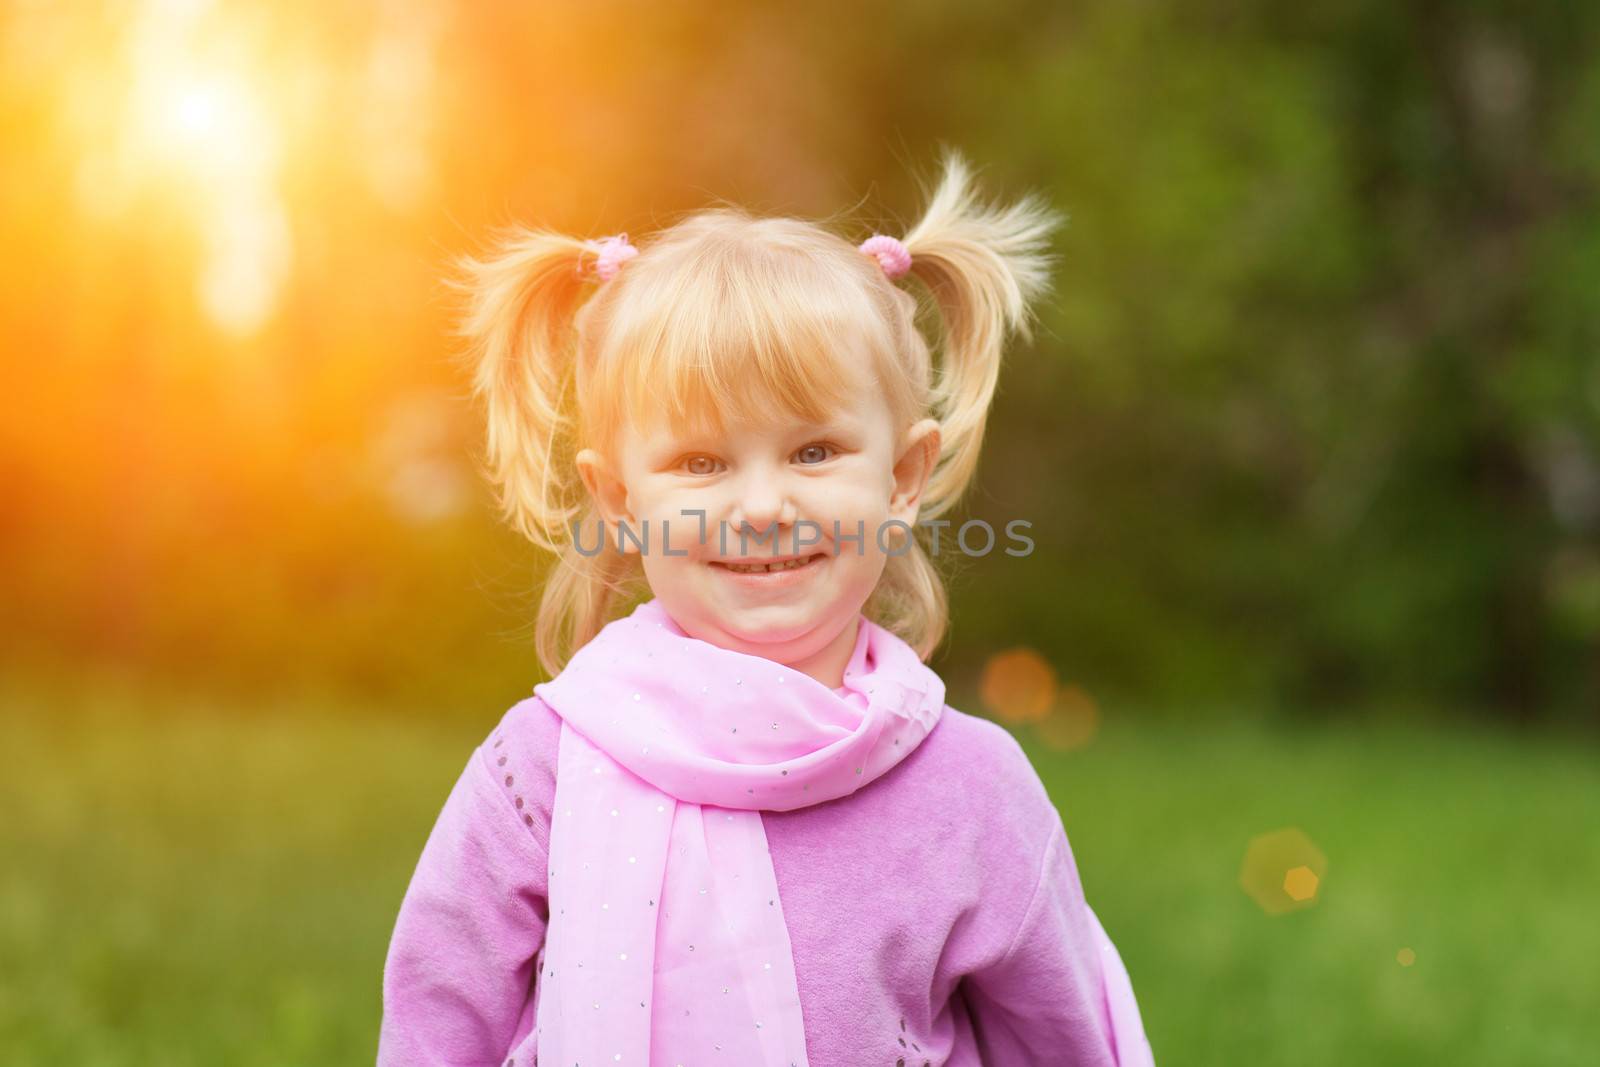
[[772, 566]]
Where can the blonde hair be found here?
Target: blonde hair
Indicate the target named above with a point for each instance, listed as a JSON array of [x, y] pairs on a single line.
[[726, 315]]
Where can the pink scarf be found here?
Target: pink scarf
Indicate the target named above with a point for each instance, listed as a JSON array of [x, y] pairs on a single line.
[[667, 941]]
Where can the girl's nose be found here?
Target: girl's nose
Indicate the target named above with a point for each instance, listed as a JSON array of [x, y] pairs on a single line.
[[762, 501]]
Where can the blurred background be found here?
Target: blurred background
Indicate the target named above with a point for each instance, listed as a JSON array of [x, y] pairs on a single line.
[[1307, 652]]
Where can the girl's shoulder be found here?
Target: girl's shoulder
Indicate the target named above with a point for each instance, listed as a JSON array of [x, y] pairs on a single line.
[[979, 752], [520, 753], [1009, 813], [528, 725]]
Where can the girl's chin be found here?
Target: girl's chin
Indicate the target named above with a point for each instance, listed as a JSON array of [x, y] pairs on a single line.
[[759, 630]]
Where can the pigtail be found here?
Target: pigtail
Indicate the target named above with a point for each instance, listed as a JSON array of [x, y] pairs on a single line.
[[985, 267], [522, 303], [522, 299]]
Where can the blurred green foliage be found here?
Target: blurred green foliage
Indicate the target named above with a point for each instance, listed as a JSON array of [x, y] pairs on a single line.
[[1312, 421]]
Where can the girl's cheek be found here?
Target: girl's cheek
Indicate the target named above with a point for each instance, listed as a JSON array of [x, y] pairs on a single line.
[[674, 502], [850, 501]]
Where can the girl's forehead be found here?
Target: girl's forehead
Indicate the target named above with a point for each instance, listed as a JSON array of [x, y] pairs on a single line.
[[775, 423], [861, 413]]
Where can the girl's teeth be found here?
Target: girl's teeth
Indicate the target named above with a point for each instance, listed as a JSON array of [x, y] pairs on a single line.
[[761, 568]]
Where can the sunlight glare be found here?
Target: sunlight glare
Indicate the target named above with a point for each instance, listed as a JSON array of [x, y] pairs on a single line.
[[197, 112], [182, 118]]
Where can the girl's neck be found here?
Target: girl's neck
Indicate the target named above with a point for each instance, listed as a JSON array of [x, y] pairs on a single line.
[[828, 663]]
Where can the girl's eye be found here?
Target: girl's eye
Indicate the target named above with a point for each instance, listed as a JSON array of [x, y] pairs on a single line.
[[707, 465], [809, 456], [820, 452]]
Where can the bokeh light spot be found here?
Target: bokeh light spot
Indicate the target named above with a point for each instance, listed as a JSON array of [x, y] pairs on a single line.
[[1283, 871], [1405, 957], [1072, 720], [1300, 883], [1018, 686]]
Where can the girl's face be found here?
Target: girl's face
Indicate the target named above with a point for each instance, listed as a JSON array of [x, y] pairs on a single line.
[[797, 491]]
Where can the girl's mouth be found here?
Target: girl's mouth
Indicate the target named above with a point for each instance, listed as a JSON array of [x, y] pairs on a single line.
[[766, 572]]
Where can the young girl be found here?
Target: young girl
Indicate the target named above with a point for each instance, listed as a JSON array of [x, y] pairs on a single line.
[[740, 826]]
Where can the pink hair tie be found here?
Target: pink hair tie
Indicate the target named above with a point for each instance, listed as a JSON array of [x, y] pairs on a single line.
[[891, 255], [613, 253]]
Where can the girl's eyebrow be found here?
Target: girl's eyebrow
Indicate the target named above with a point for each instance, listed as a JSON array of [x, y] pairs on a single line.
[[673, 442], [837, 422], [684, 442], [667, 448]]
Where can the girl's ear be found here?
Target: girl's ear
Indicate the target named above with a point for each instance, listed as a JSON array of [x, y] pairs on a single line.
[[607, 488], [912, 468]]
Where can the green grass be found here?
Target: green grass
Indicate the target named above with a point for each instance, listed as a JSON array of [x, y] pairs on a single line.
[[186, 883], [1479, 852]]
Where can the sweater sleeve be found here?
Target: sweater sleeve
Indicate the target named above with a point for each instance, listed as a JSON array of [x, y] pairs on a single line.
[[1059, 994], [460, 966]]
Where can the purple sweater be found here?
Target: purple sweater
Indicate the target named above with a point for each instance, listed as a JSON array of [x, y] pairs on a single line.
[[935, 915]]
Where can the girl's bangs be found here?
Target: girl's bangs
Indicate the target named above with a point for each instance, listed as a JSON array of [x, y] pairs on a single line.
[[733, 343]]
